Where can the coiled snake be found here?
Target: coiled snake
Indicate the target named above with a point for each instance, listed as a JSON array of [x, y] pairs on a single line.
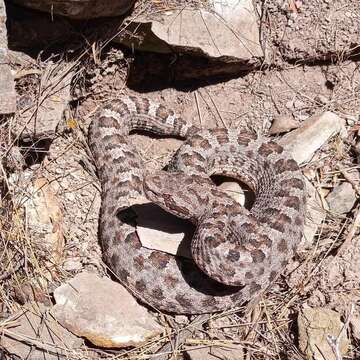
[[239, 252]]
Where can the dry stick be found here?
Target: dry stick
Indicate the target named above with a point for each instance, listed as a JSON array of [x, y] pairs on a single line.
[[47, 346], [207, 105], [210, 35], [271, 328], [333, 172], [263, 322], [22, 73], [263, 18], [164, 351], [216, 108], [198, 108], [307, 278], [233, 344], [274, 101], [255, 315]]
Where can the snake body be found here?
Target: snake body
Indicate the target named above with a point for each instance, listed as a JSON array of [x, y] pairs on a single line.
[[236, 253]]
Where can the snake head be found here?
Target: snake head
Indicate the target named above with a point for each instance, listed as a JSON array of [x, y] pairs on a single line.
[[185, 196]]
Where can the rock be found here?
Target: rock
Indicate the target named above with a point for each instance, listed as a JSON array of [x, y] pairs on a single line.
[[351, 119], [159, 230], [340, 272], [313, 133], [267, 105], [43, 215], [289, 104], [317, 298], [36, 335], [298, 116], [72, 264], [103, 311], [44, 218], [41, 119], [283, 124], [215, 353], [7, 86], [342, 198], [298, 104], [229, 31], [228, 353], [14, 161], [321, 99], [198, 354], [234, 190], [22, 60], [302, 144], [314, 325], [80, 9]]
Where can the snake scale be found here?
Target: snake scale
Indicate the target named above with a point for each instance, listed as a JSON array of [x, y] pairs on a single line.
[[236, 253]]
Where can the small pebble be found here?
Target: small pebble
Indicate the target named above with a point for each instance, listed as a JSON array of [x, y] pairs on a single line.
[[321, 99], [342, 199]]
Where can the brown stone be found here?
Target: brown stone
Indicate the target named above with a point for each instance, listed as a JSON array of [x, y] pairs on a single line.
[[103, 311]]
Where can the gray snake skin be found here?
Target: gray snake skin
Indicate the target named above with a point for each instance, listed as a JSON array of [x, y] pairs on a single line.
[[237, 253]]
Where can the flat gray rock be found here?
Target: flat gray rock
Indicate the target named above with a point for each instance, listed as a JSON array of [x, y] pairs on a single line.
[[229, 30], [7, 86], [315, 324], [103, 311], [314, 132], [226, 29], [342, 198]]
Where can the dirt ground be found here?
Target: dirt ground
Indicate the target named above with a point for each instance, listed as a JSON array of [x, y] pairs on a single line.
[[313, 68]]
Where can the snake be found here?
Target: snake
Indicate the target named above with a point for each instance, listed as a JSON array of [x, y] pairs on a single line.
[[237, 253]]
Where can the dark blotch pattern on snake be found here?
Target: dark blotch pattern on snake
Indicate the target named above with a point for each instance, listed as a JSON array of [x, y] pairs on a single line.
[[239, 252]]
